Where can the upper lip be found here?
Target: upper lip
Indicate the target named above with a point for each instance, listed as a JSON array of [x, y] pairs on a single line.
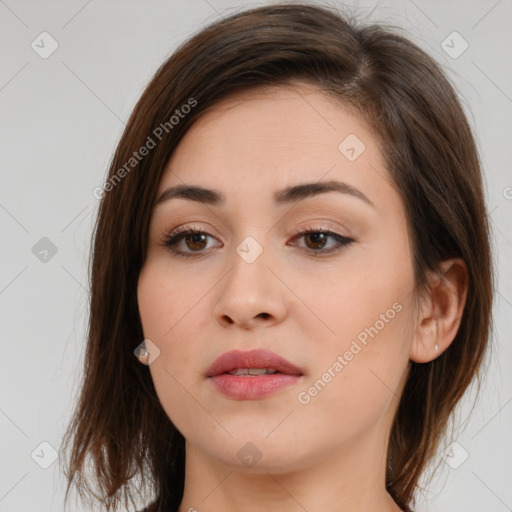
[[258, 358]]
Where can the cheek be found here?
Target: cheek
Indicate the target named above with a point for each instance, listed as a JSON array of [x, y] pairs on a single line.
[[166, 301], [354, 387], [173, 312], [167, 316], [364, 344]]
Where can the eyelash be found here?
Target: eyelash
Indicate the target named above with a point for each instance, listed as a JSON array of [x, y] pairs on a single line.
[[170, 240]]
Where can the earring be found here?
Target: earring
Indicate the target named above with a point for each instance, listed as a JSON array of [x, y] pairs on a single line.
[[436, 347]]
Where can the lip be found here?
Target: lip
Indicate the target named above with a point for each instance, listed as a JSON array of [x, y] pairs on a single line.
[[257, 358], [241, 387]]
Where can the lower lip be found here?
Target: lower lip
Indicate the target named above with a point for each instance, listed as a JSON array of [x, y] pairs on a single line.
[[252, 388]]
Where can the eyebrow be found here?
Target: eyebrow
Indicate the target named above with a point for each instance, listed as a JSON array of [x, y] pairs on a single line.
[[288, 195]]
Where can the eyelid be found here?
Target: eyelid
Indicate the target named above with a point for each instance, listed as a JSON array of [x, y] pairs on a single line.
[[170, 240], [304, 226], [183, 229], [323, 224]]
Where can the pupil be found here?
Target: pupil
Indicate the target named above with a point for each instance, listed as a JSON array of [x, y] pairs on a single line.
[[192, 238], [318, 238]]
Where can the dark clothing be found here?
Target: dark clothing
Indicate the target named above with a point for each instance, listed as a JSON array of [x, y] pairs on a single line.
[[149, 508]]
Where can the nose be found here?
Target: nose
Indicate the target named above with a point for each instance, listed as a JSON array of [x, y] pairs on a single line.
[[251, 295]]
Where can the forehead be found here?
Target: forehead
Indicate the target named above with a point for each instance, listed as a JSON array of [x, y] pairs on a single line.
[[274, 137], [278, 118]]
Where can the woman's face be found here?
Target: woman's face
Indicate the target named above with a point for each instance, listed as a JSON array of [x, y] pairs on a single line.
[[340, 312]]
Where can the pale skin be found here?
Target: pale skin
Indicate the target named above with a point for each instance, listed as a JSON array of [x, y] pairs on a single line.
[[328, 454]]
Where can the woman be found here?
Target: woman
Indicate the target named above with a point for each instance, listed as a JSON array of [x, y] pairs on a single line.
[[287, 241]]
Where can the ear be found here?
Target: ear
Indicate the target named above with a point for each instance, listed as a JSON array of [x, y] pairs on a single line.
[[440, 313]]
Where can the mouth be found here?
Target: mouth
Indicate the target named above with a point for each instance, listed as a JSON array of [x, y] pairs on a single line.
[[251, 372], [251, 364], [252, 375]]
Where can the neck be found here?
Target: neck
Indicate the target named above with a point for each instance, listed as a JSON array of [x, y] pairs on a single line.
[[342, 480]]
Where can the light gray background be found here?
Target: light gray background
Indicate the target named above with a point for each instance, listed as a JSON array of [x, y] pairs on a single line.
[[61, 118]]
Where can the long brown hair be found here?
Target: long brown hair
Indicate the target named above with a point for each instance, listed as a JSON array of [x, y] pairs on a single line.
[[119, 426]]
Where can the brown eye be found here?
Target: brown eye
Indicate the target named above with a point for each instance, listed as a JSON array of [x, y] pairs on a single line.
[[318, 240], [188, 241], [196, 241], [191, 242]]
